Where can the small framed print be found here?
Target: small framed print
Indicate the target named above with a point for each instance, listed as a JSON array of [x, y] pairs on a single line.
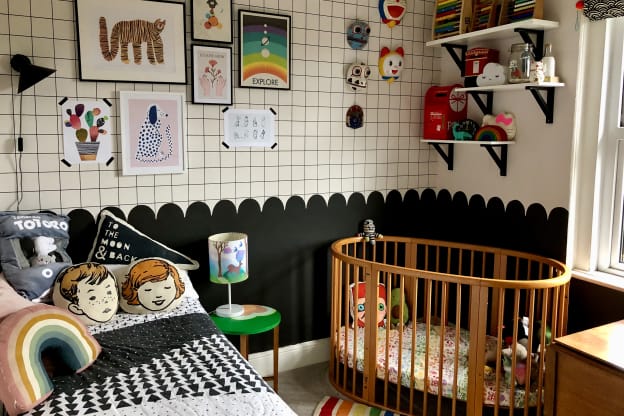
[[142, 43], [212, 75], [152, 136], [212, 20], [264, 50]]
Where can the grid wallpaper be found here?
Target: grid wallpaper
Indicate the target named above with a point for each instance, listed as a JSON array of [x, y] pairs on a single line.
[[316, 152]]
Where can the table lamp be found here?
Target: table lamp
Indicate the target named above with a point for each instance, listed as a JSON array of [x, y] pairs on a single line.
[[227, 257]]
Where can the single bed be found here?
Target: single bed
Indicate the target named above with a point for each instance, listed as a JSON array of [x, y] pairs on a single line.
[[174, 363]]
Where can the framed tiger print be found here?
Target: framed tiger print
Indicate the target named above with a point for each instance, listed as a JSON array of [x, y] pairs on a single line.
[[152, 132], [131, 41], [212, 20]]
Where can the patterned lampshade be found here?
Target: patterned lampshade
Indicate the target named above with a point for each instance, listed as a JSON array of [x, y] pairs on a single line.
[[227, 257]]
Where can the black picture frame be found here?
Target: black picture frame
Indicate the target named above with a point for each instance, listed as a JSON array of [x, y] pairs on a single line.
[[264, 50], [161, 60], [211, 20]]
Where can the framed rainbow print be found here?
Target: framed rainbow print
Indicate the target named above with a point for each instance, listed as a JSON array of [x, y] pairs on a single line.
[[264, 50]]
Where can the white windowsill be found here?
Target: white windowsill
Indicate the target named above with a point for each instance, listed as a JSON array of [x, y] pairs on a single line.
[[611, 281]]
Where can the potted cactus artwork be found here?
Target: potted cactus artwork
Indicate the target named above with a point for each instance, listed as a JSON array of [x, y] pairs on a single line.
[[85, 124]]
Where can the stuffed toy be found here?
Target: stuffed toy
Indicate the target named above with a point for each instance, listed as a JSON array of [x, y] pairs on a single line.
[[396, 305], [369, 234], [357, 299], [521, 357]]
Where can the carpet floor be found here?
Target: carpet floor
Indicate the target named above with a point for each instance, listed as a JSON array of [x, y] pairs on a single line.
[[303, 388]]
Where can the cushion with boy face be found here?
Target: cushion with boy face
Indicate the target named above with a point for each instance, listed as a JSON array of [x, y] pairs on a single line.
[[33, 251], [150, 285], [89, 291]]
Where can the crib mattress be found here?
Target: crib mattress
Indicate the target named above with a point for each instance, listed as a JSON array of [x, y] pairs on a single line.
[[435, 379]]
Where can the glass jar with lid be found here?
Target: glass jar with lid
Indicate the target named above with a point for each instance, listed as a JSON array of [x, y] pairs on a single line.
[[520, 60]]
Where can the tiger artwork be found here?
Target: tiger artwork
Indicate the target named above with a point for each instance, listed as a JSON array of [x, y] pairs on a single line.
[[135, 32]]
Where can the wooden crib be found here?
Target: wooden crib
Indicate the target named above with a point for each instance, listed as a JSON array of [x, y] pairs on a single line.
[[457, 345]]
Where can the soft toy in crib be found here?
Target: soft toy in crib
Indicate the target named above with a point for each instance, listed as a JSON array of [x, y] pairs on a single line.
[[357, 300], [524, 351], [397, 302], [369, 234]]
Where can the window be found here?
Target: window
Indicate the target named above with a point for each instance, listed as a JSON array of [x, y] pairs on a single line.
[[596, 233]]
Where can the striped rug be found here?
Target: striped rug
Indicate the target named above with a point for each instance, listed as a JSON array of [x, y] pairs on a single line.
[[333, 406]]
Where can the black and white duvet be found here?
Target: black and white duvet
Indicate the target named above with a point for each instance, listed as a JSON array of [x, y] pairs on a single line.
[[176, 363]]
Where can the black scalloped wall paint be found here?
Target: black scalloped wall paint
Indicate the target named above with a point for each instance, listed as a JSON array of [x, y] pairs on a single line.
[[289, 264]]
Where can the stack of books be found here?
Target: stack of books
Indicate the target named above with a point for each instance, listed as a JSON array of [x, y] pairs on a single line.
[[522, 9], [447, 18]]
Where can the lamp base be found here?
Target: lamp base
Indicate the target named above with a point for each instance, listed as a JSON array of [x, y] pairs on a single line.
[[229, 310]]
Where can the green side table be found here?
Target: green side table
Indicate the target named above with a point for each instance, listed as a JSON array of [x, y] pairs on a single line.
[[254, 320]]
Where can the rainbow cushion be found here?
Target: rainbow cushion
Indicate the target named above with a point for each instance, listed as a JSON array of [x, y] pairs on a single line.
[[490, 133], [24, 336]]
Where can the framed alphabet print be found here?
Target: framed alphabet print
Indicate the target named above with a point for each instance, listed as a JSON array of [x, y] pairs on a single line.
[[264, 50], [141, 43], [152, 135], [212, 75], [212, 20]]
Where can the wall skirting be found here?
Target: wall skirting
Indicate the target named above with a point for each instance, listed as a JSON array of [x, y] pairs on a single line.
[[292, 356]]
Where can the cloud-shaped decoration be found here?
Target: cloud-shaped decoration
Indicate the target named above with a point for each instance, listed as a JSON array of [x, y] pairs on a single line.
[[504, 120], [493, 74]]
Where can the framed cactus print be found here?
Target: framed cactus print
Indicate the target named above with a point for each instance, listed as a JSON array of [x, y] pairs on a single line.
[[142, 43]]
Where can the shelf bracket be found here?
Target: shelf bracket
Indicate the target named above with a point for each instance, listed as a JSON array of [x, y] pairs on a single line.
[[548, 105], [538, 45], [452, 48], [501, 161], [486, 107], [448, 155]]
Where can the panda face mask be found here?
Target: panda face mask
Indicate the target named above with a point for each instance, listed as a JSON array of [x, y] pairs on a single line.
[[357, 34]]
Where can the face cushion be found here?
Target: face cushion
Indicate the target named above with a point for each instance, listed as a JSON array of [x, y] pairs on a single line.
[[89, 291], [33, 251], [357, 298], [117, 242], [151, 285]]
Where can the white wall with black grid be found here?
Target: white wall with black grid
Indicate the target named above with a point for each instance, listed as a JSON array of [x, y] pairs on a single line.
[[316, 152]]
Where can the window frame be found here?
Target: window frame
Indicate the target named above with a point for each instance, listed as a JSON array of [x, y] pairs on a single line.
[[597, 179]]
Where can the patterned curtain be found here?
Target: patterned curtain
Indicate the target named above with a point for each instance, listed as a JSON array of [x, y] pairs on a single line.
[[603, 9]]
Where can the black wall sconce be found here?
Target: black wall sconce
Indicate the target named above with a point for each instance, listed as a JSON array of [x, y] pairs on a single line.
[[29, 74]]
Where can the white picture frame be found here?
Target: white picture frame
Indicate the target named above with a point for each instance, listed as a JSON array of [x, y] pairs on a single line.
[[152, 133]]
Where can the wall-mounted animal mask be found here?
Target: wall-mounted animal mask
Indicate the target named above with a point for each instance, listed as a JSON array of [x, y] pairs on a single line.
[[355, 117], [357, 74], [357, 34], [390, 63], [392, 11]]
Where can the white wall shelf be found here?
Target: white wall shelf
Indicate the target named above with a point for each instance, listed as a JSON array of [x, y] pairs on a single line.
[[496, 32]]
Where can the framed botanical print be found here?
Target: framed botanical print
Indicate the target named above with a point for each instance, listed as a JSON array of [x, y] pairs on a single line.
[[212, 20], [152, 134], [142, 43], [264, 50], [212, 75]]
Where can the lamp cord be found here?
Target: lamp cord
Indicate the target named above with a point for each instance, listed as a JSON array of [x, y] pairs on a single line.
[[19, 147]]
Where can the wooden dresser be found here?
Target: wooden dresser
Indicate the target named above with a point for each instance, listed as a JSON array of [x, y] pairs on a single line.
[[585, 373]]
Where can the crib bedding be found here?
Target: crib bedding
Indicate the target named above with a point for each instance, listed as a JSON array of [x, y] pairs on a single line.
[[435, 379], [175, 363]]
